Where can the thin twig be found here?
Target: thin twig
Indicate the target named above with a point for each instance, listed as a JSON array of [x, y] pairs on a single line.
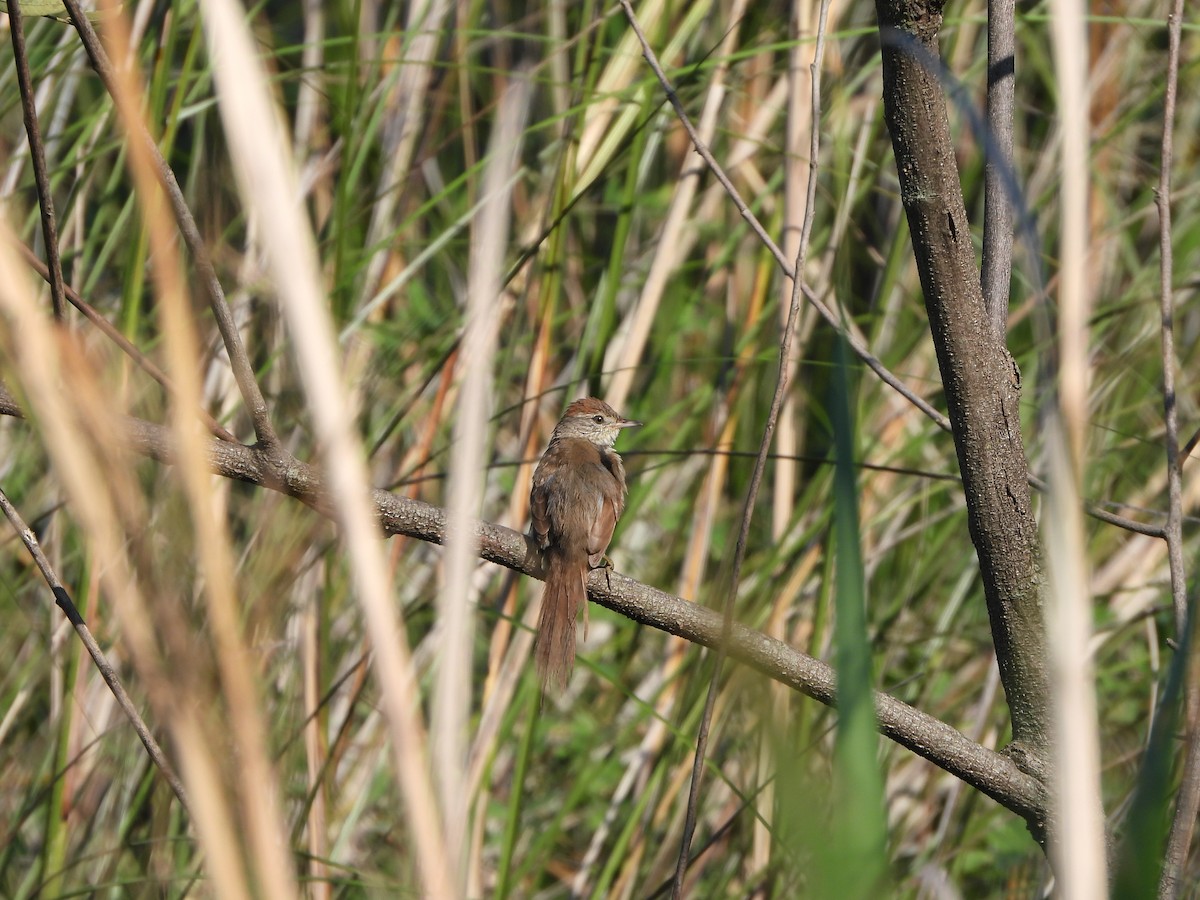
[[1188, 803], [37, 154], [760, 463], [145, 363], [856, 345], [859, 348], [239, 361], [1096, 512], [992, 773], [1189, 446], [107, 672]]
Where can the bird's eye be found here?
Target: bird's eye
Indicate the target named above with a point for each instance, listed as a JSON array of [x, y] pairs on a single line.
[[599, 420]]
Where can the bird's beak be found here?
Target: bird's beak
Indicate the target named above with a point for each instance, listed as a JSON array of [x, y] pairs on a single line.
[[628, 423]]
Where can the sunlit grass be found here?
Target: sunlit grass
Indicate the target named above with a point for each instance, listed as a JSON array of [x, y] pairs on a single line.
[[587, 789]]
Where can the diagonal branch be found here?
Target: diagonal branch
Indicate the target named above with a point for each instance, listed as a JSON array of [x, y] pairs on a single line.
[[243, 371], [995, 774], [107, 672]]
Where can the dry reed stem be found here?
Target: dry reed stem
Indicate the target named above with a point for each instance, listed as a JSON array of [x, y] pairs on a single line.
[[452, 702], [260, 808], [1078, 844], [267, 183], [422, 33], [1078, 847], [77, 434], [258, 792]]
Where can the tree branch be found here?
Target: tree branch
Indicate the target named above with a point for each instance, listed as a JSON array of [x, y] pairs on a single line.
[[992, 773], [1188, 803], [981, 380], [239, 361]]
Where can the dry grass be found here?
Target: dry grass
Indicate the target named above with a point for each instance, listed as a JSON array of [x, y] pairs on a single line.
[[625, 273]]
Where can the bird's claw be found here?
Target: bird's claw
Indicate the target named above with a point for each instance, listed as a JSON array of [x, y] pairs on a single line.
[[607, 565]]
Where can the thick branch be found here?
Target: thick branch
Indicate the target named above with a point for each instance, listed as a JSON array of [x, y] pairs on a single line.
[[992, 773], [981, 380]]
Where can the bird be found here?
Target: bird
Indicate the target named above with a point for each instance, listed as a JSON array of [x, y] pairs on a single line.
[[578, 495]]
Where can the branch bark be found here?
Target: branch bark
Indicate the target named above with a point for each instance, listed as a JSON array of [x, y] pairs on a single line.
[[239, 359], [992, 773], [981, 380], [997, 205]]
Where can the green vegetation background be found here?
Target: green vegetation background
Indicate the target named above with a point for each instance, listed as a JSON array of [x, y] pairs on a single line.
[[594, 782]]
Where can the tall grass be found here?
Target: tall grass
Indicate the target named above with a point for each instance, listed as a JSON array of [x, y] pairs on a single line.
[[626, 270]]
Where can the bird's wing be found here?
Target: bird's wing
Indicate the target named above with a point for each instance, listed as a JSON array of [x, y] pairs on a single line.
[[538, 501], [602, 530]]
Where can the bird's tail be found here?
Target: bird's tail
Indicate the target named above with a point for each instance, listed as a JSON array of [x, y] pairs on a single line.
[[565, 594]]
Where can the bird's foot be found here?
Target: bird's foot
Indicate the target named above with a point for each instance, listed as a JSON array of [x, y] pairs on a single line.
[[607, 565]]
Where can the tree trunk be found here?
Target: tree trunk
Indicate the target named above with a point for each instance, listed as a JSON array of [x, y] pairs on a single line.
[[981, 380]]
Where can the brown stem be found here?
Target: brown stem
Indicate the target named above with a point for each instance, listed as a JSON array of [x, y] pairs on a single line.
[[107, 672], [243, 371], [1188, 804], [37, 154], [997, 206]]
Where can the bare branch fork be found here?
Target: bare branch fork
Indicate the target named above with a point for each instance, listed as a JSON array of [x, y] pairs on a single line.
[[981, 382]]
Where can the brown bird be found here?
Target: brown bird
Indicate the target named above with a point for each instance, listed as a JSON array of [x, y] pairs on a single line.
[[578, 495]]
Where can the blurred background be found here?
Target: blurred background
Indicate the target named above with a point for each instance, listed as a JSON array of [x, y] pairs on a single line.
[[629, 275]]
